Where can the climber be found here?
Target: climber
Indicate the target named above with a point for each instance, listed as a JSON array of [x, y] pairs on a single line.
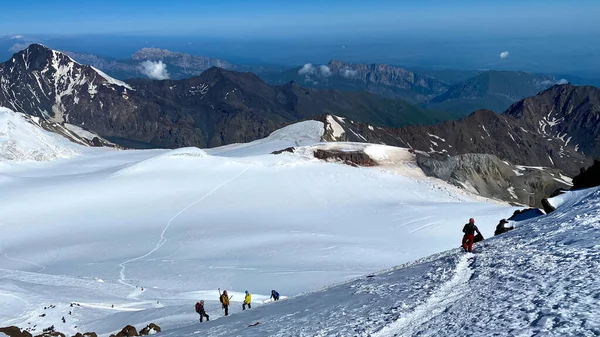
[[274, 295], [247, 301], [469, 237], [500, 228], [224, 301], [200, 310]]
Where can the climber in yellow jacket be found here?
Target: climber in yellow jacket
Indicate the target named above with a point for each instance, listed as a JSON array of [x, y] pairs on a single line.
[[224, 299], [247, 301]]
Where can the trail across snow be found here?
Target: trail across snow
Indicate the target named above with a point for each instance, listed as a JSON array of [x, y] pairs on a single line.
[[42, 268], [163, 239], [448, 293]]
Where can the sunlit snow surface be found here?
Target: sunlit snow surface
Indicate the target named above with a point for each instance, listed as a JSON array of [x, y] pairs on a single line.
[[98, 227]]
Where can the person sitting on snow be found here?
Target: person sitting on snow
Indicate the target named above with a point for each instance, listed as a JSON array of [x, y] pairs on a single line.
[[469, 237], [200, 310], [247, 301], [500, 228]]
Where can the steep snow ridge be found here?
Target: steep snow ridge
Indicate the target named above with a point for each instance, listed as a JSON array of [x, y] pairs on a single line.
[[22, 140]]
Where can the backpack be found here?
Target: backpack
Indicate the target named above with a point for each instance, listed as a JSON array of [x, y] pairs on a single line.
[[197, 306], [275, 294]]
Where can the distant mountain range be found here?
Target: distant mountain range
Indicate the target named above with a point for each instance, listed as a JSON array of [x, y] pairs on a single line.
[[155, 63], [381, 79], [215, 108], [456, 92], [491, 90]]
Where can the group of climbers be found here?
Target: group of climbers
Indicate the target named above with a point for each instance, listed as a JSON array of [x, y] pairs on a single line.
[[468, 240], [224, 298], [469, 230]]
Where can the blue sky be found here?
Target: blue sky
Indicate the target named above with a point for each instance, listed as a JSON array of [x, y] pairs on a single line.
[[296, 18]]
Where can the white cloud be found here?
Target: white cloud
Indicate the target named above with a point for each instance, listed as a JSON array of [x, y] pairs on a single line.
[[18, 47], [154, 70], [325, 71], [17, 37], [307, 69], [562, 81], [504, 54], [349, 73]]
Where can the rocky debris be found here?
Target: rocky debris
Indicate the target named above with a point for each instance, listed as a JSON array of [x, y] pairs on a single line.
[[150, 329], [87, 334], [127, 331], [589, 177], [13, 331], [352, 158], [288, 149]]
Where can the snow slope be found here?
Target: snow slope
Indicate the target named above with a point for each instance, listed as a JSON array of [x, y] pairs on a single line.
[[542, 279], [140, 236], [22, 140]]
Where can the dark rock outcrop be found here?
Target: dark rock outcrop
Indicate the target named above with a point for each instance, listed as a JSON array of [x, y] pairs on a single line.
[[13, 331], [287, 149], [589, 177], [127, 331], [352, 158], [87, 334], [150, 328]]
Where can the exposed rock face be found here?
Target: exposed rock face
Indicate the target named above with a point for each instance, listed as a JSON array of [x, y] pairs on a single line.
[[588, 177], [564, 112], [491, 177], [216, 108]]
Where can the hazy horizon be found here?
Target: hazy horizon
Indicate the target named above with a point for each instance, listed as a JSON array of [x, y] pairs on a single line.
[[533, 35]]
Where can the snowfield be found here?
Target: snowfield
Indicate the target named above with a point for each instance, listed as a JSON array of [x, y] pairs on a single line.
[[134, 237]]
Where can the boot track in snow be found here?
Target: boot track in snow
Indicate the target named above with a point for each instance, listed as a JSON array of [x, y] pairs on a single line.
[[450, 292], [163, 240]]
